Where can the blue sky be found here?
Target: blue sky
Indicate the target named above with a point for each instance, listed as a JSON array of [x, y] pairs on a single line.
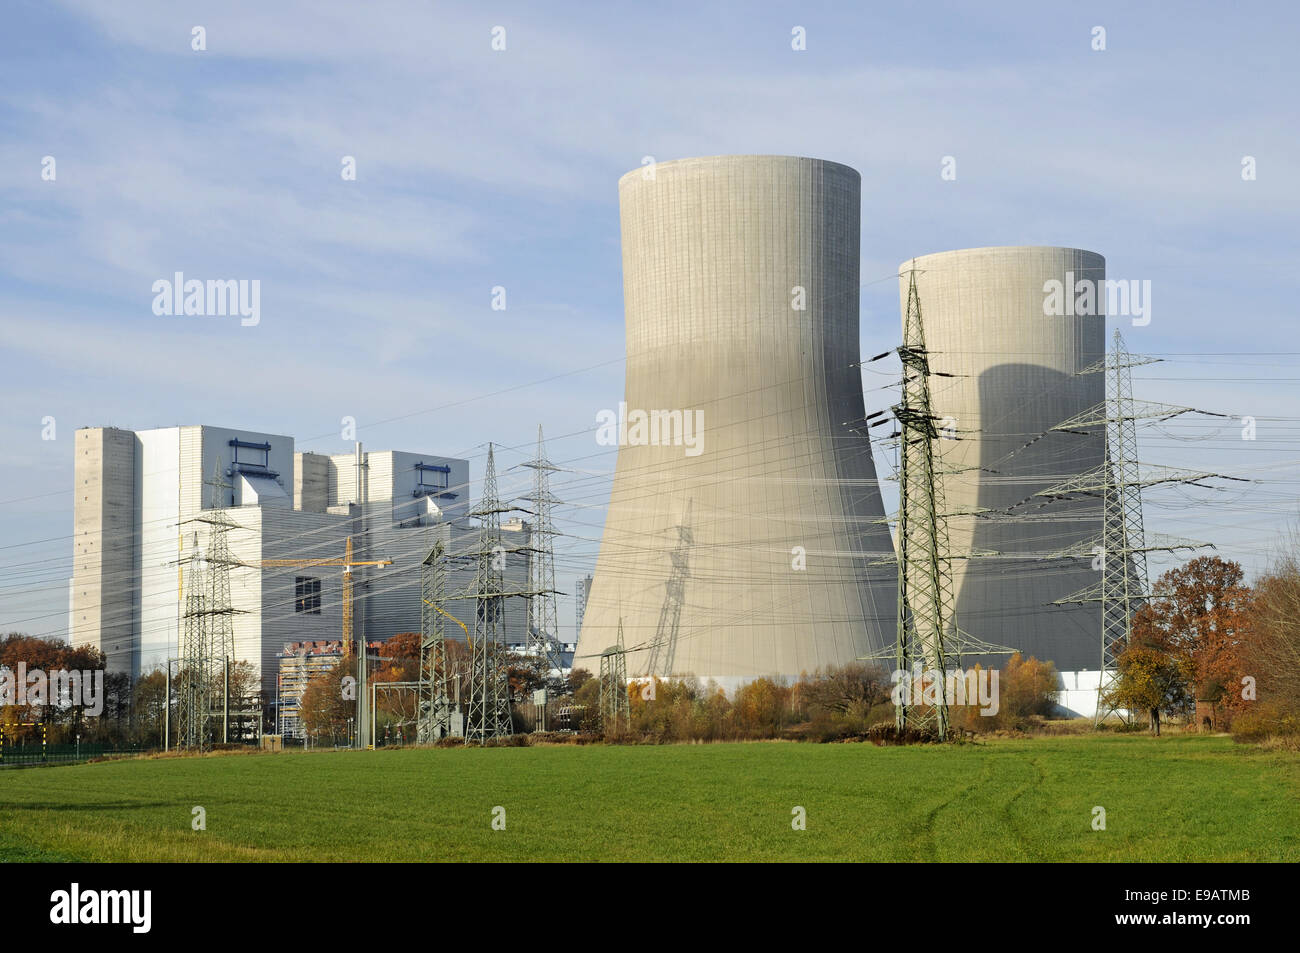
[[478, 168]]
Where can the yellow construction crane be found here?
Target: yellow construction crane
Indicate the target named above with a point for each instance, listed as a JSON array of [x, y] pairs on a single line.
[[452, 618], [347, 562]]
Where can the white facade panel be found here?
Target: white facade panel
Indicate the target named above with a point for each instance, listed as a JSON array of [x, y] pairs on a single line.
[[158, 502]]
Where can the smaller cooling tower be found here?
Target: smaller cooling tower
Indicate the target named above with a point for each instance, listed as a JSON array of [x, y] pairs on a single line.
[[1014, 375]]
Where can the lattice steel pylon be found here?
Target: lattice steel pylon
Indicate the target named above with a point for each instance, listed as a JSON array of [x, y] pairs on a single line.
[[209, 630], [433, 709], [1122, 545], [221, 637], [663, 650], [615, 704], [543, 620], [193, 677], [489, 691], [1124, 561], [924, 625]]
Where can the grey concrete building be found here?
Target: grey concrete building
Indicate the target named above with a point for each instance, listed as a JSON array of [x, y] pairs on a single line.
[[745, 513], [1014, 375], [103, 593]]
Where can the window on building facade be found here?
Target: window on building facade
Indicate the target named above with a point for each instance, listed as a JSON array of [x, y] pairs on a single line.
[[306, 595]]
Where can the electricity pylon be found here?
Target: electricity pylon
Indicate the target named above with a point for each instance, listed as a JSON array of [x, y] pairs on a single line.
[[221, 638], [663, 649], [489, 690], [615, 705], [928, 643], [433, 713], [924, 625], [208, 639], [1119, 480], [543, 621], [193, 677], [488, 716]]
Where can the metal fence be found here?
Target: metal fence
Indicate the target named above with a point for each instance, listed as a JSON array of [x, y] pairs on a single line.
[[29, 753]]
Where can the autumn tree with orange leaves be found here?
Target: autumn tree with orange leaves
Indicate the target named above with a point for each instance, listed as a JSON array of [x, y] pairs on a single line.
[[326, 707], [1271, 655], [399, 659], [1198, 617]]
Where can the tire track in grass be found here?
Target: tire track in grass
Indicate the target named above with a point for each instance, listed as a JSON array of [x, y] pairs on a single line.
[[930, 822], [1023, 843], [977, 822]]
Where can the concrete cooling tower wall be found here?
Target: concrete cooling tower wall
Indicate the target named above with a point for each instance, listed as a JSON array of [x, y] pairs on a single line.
[[1015, 375], [747, 552]]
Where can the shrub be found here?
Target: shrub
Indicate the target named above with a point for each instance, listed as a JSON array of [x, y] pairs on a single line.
[[1263, 721]]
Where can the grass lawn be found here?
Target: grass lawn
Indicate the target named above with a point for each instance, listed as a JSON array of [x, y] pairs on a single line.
[[1179, 798]]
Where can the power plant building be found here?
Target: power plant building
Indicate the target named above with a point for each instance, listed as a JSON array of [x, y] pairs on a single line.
[[745, 531], [142, 515]]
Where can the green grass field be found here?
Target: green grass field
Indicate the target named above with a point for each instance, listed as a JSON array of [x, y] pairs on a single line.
[[1171, 799]]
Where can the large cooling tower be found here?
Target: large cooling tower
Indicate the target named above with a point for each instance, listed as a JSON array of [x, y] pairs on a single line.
[[752, 556], [1015, 375]]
